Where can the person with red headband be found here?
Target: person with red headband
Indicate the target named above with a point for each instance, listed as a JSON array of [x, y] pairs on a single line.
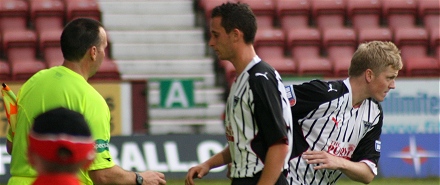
[[60, 144]]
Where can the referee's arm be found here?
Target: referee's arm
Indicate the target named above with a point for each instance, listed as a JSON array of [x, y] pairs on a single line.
[[274, 162]]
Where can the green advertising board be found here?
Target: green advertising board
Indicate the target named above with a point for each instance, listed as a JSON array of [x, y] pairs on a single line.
[[176, 93]]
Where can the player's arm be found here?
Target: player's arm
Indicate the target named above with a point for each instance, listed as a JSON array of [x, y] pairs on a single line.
[[117, 175], [357, 171], [219, 159], [367, 153], [274, 162]]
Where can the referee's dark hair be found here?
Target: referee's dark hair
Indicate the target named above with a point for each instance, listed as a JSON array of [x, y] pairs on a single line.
[[78, 36], [237, 16]]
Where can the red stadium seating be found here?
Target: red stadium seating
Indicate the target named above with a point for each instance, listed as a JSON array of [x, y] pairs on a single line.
[[304, 43], [47, 14], [340, 44], [422, 66], [434, 40], [411, 41], [305, 46], [20, 45], [379, 34], [107, 71], [50, 47], [5, 71], [269, 42], [339, 41], [400, 13], [414, 43], [13, 15], [24, 70], [82, 8], [328, 13], [429, 12], [364, 13], [293, 13], [264, 11], [269, 45]]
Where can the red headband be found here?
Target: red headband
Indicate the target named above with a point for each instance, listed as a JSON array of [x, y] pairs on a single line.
[[47, 146]]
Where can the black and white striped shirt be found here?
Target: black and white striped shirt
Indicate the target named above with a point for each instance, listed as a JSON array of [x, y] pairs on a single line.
[[257, 116], [325, 120]]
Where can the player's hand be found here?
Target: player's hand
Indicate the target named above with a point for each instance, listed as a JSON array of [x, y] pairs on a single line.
[[153, 178], [323, 160], [228, 173], [196, 172]]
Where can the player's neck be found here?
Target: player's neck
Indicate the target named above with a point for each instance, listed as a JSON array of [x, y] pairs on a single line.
[[358, 91], [244, 55]]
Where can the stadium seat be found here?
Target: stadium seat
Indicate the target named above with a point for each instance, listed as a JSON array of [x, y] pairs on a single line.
[[340, 44], [364, 13], [414, 44], [422, 67], [434, 40], [20, 45], [5, 70], [53, 56], [400, 13], [328, 13], [371, 34], [264, 11], [107, 71], [47, 14], [305, 45], [293, 13], [269, 42], [82, 8], [270, 46], [429, 13], [50, 47], [22, 71], [13, 15]]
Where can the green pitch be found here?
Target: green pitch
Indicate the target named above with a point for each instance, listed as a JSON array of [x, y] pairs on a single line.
[[377, 181]]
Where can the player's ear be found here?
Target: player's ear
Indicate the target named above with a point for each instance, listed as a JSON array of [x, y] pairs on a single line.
[[236, 34], [369, 75]]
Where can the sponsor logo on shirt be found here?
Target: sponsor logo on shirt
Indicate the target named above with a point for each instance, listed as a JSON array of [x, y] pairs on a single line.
[[290, 95], [262, 74], [377, 145], [341, 150], [367, 124], [229, 133], [330, 88], [101, 145], [236, 99], [335, 120]]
